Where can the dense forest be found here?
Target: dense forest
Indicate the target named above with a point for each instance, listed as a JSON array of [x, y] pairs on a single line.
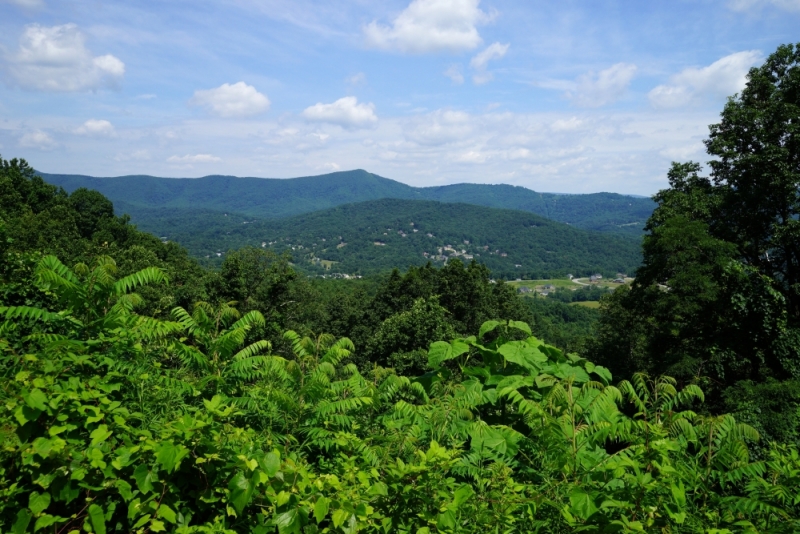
[[147, 198], [375, 236], [143, 392]]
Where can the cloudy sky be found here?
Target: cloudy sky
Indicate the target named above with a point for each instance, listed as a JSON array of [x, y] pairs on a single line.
[[569, 96]]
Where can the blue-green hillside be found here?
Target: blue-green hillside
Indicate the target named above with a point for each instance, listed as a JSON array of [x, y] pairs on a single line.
[[378, 235], [277, 198]]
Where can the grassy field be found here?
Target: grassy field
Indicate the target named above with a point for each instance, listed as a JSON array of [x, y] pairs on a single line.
[[587, 304], [602, 283], [539, 284]]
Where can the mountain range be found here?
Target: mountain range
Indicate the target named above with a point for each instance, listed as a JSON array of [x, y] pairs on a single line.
[[267, 198], [356, 222], [377, 235]]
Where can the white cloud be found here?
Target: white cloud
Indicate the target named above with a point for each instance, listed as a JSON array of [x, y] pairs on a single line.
[[430, 26], [722, 78], [598, 89], [37, 139], [482, 59], [328, 167], [472, 156], [95, 127], [454, 73], [345, 112], [56, 59], [438, 128], [746, 5], [196, 158], [566, 125], [493, 51], [237, 100]]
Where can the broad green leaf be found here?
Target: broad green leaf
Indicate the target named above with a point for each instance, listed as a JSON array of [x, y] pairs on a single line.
[[566, 371], [240, 489], [24, 414], [271, 463], [446, 520], [100, 434], [23, 520], [42, 446], [582, 504], [45, 521], [462, 495], [519, 325], [603, 373], [288, 522], [37, 400], [523, 354], [56, 430], [487, 327], [97, 519], [378, 488], [157, 526], [165, 512], [339, 517], [321, 509], [169, 456], [124, 489], [141, 521], [38, 502], [441, 351], [144, 478]]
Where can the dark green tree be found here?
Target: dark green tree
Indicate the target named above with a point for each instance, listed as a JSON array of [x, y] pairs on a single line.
[[717, 297]]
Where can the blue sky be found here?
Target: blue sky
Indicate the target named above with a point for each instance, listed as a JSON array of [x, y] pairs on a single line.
[[570, 96]]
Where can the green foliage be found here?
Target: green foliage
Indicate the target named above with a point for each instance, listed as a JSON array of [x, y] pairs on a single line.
[[42, 219], [503, 432], [717, 299]]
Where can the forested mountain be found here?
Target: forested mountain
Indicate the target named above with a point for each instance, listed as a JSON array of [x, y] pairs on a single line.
[[379, 235], [274, 198]]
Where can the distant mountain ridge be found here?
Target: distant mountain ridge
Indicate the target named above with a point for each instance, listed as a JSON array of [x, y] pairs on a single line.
[[271, 198], [378, 235]]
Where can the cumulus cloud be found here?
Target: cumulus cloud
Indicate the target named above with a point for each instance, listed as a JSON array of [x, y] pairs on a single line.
[[56, 59], [196, 158], [232, 100], [482, 59], [493, 51], [345, 112], [598, 89], [95, 127], [720, 79], [747, 5], [430, 26], [37, 139], [454, 73], [439, 127]]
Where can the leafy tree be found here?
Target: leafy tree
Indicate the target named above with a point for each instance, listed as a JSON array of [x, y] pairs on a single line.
[[717, 293]]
